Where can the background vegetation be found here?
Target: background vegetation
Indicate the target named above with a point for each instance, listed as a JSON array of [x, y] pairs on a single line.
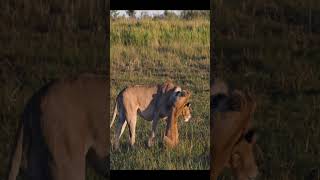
[[40, 41], [273, 49], [149, 51]]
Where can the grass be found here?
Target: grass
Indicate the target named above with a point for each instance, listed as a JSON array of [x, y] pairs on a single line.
[[271, 48], [149, 51], [40, 42]]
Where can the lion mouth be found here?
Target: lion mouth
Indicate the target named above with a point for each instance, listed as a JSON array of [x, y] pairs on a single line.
[[187, 119]]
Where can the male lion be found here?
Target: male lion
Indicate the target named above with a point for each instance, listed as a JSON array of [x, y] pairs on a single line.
[[232, 136], [64, 125], [151, 103]]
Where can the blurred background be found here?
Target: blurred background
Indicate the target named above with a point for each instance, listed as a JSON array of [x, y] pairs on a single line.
[[273, 49], [41, 41]]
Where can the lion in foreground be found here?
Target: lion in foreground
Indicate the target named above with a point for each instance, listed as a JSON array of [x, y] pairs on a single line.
[[151, 103], [64, 126], [233, 138]]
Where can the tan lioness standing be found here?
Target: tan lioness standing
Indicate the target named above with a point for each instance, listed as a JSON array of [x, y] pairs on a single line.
[[64, 124], [151, 103], [232, 137]]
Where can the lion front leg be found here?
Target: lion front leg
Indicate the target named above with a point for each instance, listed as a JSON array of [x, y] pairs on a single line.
[[153, 131], [168, 142]]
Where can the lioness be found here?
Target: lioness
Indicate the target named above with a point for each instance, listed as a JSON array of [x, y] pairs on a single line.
[[151, 103], [64, 124], [232, 136]]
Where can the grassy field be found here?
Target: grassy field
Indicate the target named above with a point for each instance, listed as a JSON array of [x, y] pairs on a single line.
[[149, 52], [272, 48], [40, 42]]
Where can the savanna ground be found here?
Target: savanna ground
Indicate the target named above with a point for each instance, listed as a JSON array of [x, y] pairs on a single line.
[[40, 42], [150, 51], [273, 49]]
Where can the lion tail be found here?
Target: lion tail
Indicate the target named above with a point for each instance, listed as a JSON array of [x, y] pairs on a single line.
[[17, 157], [115, 111]]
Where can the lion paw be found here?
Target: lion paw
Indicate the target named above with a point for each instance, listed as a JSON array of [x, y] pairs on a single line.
[[168, 142]]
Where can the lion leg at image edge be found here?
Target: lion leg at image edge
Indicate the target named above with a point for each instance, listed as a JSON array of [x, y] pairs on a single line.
[[153, 131]]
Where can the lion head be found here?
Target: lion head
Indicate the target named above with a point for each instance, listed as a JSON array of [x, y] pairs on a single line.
[[180, 104]]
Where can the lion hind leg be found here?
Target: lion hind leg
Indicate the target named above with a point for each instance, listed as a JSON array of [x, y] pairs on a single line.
[[132, 121], [123, 128], [119, 127]]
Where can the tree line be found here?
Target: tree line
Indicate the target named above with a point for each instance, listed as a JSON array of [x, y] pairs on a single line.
[[186, 14]]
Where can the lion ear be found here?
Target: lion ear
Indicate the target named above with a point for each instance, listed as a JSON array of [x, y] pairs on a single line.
[[188, 104], [166, 86], [185, 93], [178, 93]]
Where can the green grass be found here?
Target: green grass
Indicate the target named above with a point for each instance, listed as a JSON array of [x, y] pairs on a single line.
[[271, 48], [149, 52], [41, 42]]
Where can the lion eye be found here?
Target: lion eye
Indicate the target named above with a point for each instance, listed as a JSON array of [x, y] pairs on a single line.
[[250, 136]]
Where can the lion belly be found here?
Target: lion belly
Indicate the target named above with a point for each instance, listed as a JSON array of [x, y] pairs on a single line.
[[147, 113]]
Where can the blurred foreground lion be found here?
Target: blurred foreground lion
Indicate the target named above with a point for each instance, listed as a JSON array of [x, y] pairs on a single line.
[[232, 136], [64, 125]]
